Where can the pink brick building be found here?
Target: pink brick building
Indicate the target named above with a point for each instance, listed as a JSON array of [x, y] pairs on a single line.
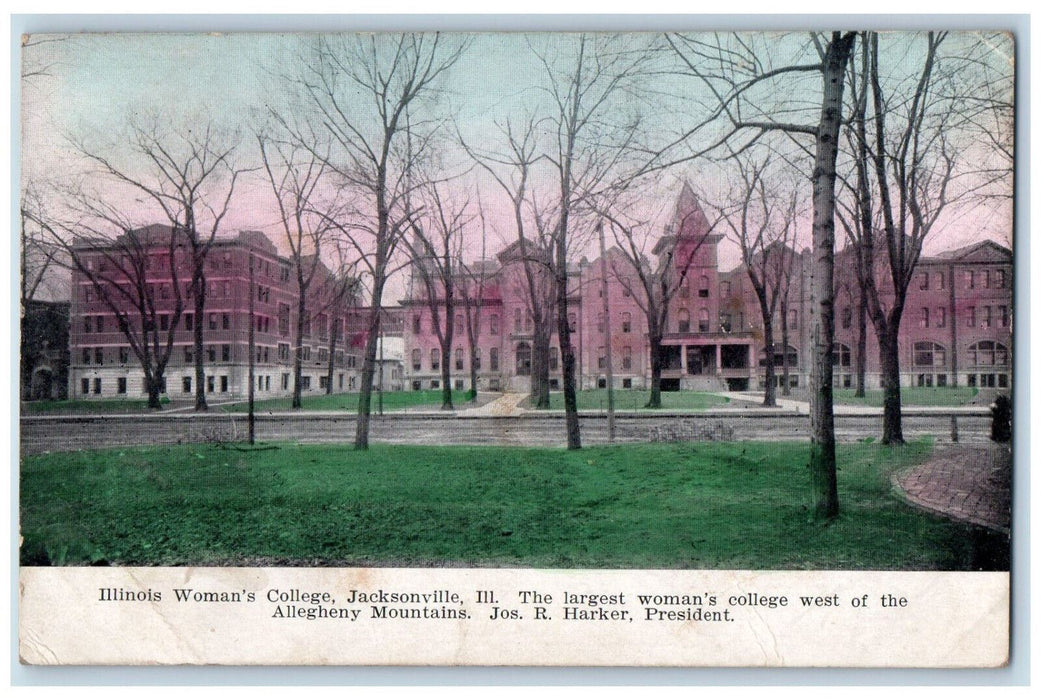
[[956, 327], [103, 365]]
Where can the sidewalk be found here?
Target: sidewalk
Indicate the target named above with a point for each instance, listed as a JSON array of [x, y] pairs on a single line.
[[506, 406], [967, 484]]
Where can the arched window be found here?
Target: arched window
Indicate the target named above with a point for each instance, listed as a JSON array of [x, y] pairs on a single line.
[[703, 321], [627, 322], [458, 358], [523, 360], [417, 360], [988, 353], [703, 287], [929, 354], [435, 358], [683, 320], [841, 356]]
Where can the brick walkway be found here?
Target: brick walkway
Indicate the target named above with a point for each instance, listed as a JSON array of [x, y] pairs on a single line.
[[967, 484]]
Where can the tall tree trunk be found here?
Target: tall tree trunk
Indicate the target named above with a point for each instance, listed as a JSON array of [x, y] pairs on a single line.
[[822, 286], [889, 349], [368, 371], [298, 356], [540, 352], [861, 358], [446, 378], [446, 351], [567, 352], [786, 388], [656, 366], [199, 298], [332, 356], [153, 383], [770, 390]]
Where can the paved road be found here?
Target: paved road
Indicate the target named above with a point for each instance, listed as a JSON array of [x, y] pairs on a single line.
[[88, 432]]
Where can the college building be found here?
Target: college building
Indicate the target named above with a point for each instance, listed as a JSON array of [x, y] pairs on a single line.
[[955, 330], [102, 364], [956, 327]]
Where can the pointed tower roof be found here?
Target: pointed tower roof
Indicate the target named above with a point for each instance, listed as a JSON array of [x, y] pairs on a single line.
[[688, 222], [689, 219]]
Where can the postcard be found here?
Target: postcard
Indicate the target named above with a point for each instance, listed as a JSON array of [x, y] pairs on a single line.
[[539, 349]]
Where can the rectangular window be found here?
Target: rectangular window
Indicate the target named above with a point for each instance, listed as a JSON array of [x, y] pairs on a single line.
[[493, 359], [88, 324], [99, 356], [970, 317], [124, 355], [493, 324], [941, 317], [225, 353], [226, 321], [224, 384], [323, 381], [100, 325], [186, 385], [601, 358], [627, 357], [211, 352], [938, 278], [97, 385], [417, 325], [305, 382], [86, 356], [84, 386], [121, 385], [986, 279], [459, 358], [923, 279], [1003, 313], [793, 319], [285, 381], [925, 318], [516, 320], [970, 279], [213, 322], [189, 354], [189, 320], [986, 317], [999, 279]]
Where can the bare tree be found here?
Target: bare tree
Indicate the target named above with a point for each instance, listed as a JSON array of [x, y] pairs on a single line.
[[590, 136], [435, 248], [907, 161], [654, 286], [513, 170], [762, 223], [38, 254], [750, 94], [474, 279], [296, 176], [373, 99], [188, 173], [120, 265]]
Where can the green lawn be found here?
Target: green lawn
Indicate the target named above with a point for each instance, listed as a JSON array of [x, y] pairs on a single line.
[[912, 396], [709, 505], [87, 406], [392, 401], [632, 400]]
